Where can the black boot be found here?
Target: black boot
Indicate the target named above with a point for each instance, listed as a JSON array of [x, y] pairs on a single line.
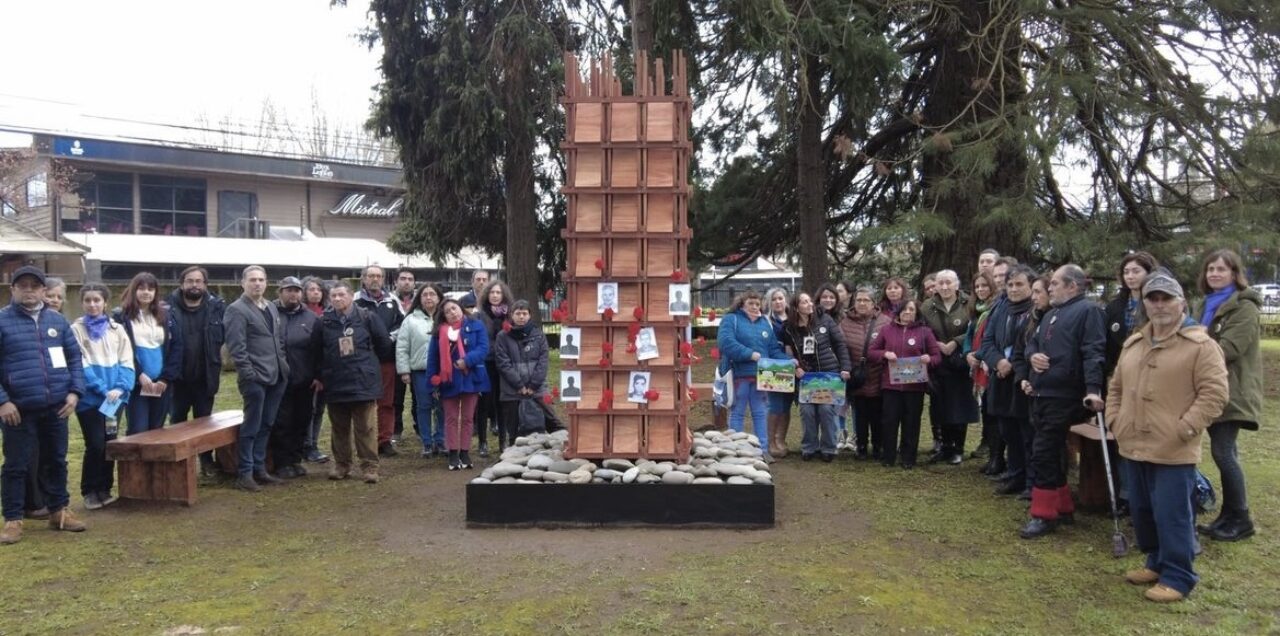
[[453, 460], [1237, 526], [464, 460], [1206, 528], [1037, 528], [1010, 487]]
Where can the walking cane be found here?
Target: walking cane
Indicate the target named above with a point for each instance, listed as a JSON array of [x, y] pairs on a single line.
[[1119, 544]]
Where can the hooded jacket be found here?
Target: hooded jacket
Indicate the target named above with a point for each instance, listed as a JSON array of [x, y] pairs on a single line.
[[1236, 328], [213, 311], [298, 325], [739, 337], [108, 364], [357, 376], [385, 308], [522, 359], [1163, 395]]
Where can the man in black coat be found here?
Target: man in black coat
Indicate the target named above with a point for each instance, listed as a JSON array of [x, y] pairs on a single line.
[[288, 436], [382, 304], [1066, 355], [1004, 400], [199, 315], [347, 347]]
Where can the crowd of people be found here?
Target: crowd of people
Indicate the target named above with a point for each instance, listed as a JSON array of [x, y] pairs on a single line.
[[1025, 354], [1028, 355]]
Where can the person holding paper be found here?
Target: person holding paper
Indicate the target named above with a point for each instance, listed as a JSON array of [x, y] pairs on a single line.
[[157, 351], [815, 340], [908, 348], [41, 385], [744, 337], [109, 377]]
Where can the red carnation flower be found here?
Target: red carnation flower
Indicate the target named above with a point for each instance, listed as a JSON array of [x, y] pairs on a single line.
[[555, 390], [693, 395], [697, 312], [435, 380], [651, 395], [631, 347], [686, 361], [638, 313], [633, 330], [602, 405], [607, 395], [715, 353], [686, 348], [677, 275], [564, 305], [600, 264], [711, 316], [604, 362], [606, 347], [701, 340], [548, 399], [549, 294], [608, 313], [557, 315], [506, 326]]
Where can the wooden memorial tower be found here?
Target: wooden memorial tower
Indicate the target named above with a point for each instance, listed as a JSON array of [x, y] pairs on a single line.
[[628, 239]]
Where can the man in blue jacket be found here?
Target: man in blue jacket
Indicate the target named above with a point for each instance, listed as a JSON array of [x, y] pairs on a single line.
[[41, 381], [1066, 354]]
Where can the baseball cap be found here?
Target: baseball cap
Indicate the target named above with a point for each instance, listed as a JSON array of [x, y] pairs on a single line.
[[1161, 282], [290, 281], [28, 270]]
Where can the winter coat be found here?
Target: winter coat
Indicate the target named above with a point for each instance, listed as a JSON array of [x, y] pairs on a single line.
[[492, 325], [1002, 335], [27, 374], [356, 377], [522, 363], [214, 335], [1236, 328], [831, 354], [412, 342], [1163, 396], [905, 341], [298, 325], [107, 362], [1073, 336], [739, 337], [386, 309], [948, 326], [858, 334], [952, 386], [475, 379], [1117, 333], [170, 350], [255, 344]]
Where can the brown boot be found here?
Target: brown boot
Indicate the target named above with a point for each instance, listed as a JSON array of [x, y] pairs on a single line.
[[1142, 576], [1161, 593], [64, 520], [371, 476], [12, 532], [781, 425]]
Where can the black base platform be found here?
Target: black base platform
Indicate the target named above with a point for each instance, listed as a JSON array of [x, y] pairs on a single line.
[[621, 505]]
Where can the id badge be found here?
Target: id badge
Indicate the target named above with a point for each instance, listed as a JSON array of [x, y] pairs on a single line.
[[346, 346], [57, 357], [810, 345]]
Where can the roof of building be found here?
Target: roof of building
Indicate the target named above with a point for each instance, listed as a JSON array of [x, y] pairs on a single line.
[[308, 251], [16, 239]]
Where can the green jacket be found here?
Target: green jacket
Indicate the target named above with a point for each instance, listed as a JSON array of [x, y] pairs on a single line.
[[1237, 329], [947, 326]]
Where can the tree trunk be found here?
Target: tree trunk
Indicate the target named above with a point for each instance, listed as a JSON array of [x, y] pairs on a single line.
[[641, 27], [957, 76], [810, 178], [521, 257]]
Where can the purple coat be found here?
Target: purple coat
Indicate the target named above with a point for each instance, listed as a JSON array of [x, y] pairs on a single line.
[[905, 342]]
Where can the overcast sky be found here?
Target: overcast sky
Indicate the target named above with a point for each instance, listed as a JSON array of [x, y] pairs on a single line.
[[74, 65]]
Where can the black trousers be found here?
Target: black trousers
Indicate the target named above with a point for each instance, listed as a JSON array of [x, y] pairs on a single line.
[[1051, 418], [190, 398], [97, 473], [866, 424], [487, 407], [1011, 429], [509, 422], [288, 440], [398, 403], [901, 409]]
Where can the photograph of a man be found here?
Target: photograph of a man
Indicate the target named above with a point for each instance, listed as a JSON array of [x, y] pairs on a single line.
[[639, 383], [607, 293], [570, 386], [646, 344], [679, 295], [570, 338]]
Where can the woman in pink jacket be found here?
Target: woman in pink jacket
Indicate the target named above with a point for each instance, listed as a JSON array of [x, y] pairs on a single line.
[[903, 402]]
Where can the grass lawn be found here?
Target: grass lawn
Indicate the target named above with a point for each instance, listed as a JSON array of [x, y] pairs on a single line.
[[857, 549]]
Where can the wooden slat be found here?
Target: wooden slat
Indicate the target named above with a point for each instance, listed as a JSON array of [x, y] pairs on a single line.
[[180, 441]]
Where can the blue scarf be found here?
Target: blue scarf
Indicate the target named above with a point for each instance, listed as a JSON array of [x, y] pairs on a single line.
[[97, 327], [1130, 314], [1213, 301]]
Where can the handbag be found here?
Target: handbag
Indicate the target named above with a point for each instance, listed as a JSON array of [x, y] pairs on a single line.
[[722, 387], [532, 418]]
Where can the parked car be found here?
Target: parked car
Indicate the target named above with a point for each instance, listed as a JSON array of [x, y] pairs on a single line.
[[1270, 292]]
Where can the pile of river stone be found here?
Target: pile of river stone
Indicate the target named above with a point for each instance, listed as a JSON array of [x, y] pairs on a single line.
[[717, 458]]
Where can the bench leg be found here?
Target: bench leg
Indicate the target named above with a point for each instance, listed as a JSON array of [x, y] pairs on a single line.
[[159, 481]]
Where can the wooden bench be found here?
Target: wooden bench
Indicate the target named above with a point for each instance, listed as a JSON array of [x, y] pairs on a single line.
[[1092, 489], [161, 465]]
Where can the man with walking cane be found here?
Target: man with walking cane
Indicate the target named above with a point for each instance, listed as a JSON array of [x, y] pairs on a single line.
[[1169, 385]]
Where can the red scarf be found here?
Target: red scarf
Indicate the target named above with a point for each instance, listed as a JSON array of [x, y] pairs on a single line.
[[446, 363]]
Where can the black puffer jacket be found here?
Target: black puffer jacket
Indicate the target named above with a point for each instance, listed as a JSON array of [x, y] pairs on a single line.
[[521, 359], [355, 377], [298, 326], [830, 353]]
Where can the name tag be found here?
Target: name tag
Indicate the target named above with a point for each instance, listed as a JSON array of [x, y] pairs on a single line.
[[346, 346], [57, 357]]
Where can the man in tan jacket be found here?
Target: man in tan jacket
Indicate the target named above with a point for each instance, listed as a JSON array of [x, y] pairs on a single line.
[[1169, 385]]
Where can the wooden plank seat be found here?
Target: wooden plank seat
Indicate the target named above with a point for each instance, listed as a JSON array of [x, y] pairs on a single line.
[[161, 465], [1091, 491]]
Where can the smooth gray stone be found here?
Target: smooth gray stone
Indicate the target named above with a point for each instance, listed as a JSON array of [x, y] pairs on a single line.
[[480, 480], [488, 474], [731, 469], [725, 452], [617, 480], [763, 478], [755, 452], [737, 437], [631, 475], [703, 461], [704, 451], [528, 481], [562, 466], [505, 469], [737, 480], [704, 471], [760, 465], [662, 468], [518, 460], [505, 480], [607, 474], [739, 461], [617, 464], [684, 468], [581, 461], [580, 477], [676, 477], [646, 478], [533, 474], [555, 478], [709, 480], [540, 462], [597, 480]]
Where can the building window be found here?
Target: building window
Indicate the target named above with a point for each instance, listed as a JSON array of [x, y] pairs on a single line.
[[173, 205], [234, 210], [38, 191], [106, 205]]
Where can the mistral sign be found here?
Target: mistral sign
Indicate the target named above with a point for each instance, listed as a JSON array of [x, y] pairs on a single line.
[[355, 204]]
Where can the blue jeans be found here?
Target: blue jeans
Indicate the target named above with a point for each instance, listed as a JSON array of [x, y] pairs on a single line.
[[1163, 520], [746, 396], [430, 411], [819, 422], [146, 413], [261, 402], [40, 432]]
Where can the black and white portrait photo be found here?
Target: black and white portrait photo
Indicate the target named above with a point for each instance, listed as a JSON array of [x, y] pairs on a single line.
[[678, 295], [570, 341], [570, 386], [637, 385]]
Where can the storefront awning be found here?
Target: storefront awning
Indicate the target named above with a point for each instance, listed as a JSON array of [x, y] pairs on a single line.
[[15, 239]]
